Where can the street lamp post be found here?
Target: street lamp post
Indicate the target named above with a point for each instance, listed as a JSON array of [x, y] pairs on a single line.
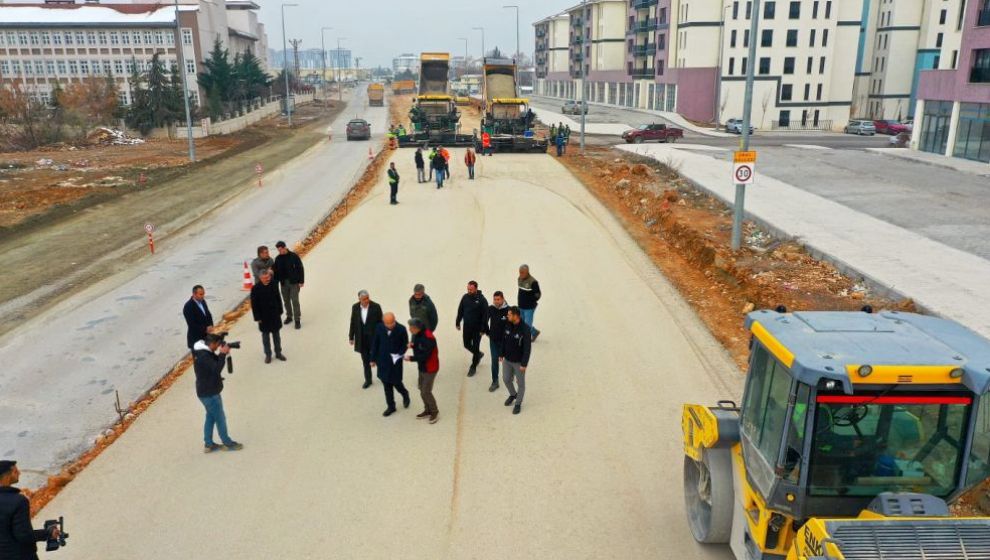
[[285, 66], [583, 108], [340, 89], [718, 80], [323, 51], [465, 55], [739, 206], [517, 27], [181, 63], [482, 29]]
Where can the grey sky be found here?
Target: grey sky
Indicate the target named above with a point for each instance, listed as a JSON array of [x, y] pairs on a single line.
[[378, 30]]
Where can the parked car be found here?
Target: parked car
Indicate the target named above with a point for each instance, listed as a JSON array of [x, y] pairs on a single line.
[[736, 126], [574, 107], [891, 127], [900, 140], [358, 129], [648, 132], [861, 127]]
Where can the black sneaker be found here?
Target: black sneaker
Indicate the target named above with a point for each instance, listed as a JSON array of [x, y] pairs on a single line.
[[472, 370], [517, 409], [406, 401], [287, 321], [366, 385], [508, 401], [535, 336], [388, 412], [481, 356], [493, 387], [280, 357], [298, 324], [233, 446], [210, 448]]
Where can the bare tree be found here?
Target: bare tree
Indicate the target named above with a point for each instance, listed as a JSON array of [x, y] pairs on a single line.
[[765, 103]]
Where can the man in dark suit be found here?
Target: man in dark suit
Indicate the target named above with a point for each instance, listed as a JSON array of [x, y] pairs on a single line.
[[366, 315], [388, 346], [266, 306], [17, 536], [199, 321]]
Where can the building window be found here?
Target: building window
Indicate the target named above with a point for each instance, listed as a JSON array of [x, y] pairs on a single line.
[[136, 37], [941, 17], [828, 9], [769, 10], [159, 38], [148, 38], [818, 93], [936, 61], [191, 68], [129, 66], [102, 35], [735, 10], [61, 67], [807, 92], [732, 38], [824, 37], [814, 10], [46, 38], [114, 38], [118, 66], [83, 67], [732, 65], [34, 38], [749, 10], [766, 38], [57, 39], [935, 126], [90, 38], [745, 64], [11, 39], [789, 65], [187, 38], [15, 67], [792, 37], [4, 67], [764, 65], [795, 11], [821, 65], [73, 67], [938, 40], [746, 38], [170, 39], [50, 67], [811, 62], [973, 134], [786, 92], [785, 119], [80, 38], [125, 38], [982, 17], [981, 67], [811, 42]]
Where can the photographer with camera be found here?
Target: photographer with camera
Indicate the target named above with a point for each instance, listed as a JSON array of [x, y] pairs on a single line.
[[17, 536], [209, 359]]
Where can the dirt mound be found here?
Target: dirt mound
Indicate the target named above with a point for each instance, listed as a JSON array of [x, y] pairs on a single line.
[[113, 137]]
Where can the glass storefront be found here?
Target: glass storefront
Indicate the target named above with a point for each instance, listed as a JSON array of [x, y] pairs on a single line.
[[973, 135], [935, 126]]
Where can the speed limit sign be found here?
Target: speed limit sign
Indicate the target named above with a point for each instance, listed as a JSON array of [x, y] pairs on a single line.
[[744, 168], [258, 169], [150, 228]]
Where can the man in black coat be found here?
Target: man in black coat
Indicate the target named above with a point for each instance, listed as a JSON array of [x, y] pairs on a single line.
[[366, 315], [495, 322], [291, 276], [209, 357], [472, 311], [529, 297], [17, 536], [266, 307], [388, 346], [199, 321], [516, 346]]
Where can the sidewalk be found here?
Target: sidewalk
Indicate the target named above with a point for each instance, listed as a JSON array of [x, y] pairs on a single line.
[[549, 117], [940, 279], [948, 162]]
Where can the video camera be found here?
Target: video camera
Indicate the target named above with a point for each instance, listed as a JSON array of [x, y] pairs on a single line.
[[53, 543], [234, 345]]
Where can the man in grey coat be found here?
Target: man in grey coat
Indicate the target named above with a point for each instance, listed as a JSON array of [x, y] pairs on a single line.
[[421, 307], [263, 262]]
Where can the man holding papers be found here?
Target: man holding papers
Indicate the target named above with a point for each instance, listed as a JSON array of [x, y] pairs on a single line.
[[387, 348]]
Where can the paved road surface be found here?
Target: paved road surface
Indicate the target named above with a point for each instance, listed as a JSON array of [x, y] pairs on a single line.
[[590, 469], [60, 370]]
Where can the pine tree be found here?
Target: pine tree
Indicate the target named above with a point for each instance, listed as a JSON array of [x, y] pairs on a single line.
[[139, 113], [217, 79]]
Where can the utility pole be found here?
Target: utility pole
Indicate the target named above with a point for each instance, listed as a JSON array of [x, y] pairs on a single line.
[[718, 77], [584, 73], [295, 55], [465, 55], [517, 28], [285, 66], [338, 58], [739, 208], [323, 51], [482, 29], [185, 86]]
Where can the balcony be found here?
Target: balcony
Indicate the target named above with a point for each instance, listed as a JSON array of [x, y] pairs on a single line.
[[577, 40], [541, 32], [642, 73], [979, 76], [577, 57], [577, 22], [646, 26], [644, 50], [642, 4]]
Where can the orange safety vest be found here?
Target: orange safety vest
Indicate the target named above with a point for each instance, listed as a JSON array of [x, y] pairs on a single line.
[[469, 158], [486, 140]]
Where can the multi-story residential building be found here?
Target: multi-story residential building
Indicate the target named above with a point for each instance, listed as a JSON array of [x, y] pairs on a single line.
[[406, 62], [899, 40], [952, 115], [597, 48], [552, 58], [245, 32], [42, 44], [647, 46]]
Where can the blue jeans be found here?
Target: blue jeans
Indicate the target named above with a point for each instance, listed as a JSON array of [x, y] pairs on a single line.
[[470, 172], [493, 349], [215, 417], [440, 176], [527, 317]]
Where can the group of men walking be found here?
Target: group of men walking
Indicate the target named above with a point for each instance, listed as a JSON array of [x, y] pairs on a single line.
[[382, 342], [277, 283]]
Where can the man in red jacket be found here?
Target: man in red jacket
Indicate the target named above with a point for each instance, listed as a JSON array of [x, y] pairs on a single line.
[[469, 160], [426, 356]]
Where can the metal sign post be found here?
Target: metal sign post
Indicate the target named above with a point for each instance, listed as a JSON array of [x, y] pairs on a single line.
[[259, 170], [150, 229], [739, 210]]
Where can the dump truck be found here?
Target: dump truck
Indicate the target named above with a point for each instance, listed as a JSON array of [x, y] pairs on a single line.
[[434, 117], [403, 87], [507, 118], [854, 432], [376, 95]]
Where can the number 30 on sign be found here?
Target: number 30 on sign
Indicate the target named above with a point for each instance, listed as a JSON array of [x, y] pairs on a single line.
[[744, 168]]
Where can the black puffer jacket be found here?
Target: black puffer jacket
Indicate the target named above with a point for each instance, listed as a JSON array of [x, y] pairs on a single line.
[[472, 311], [17, 537], [208, 367]]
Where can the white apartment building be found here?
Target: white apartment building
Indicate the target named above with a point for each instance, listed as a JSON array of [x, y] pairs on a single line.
[[552, 58], [406, 62], [598, 48], [63, 42], [902, 39]]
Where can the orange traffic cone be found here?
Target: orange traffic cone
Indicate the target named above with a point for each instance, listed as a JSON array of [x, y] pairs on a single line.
[[371, 156], [248, 282]]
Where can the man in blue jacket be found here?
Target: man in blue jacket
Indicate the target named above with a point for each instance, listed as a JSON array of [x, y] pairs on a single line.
[[387, 350]]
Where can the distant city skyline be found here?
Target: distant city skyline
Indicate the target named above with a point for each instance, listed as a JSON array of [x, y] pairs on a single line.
[[380, 32]]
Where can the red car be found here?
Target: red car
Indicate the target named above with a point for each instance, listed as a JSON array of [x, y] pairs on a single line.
[[647, 132], [891, 127]]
